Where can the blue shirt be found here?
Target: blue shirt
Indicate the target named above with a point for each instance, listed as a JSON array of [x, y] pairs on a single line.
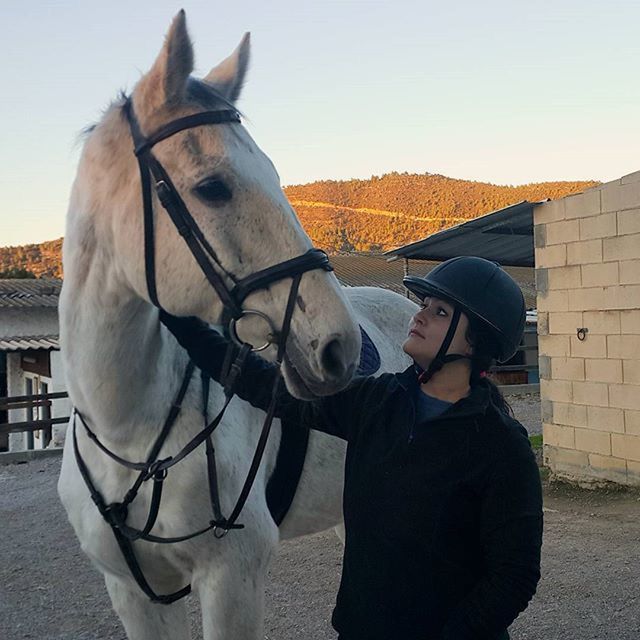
[[428, 407]]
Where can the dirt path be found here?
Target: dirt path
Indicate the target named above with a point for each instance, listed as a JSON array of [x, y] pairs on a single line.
[[376, 212], [49, 591]]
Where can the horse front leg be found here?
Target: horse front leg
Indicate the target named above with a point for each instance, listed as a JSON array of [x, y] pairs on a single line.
[[143, 619], [232, 599]]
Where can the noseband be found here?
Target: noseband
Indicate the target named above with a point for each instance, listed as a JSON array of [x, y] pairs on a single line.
[[153, 467]]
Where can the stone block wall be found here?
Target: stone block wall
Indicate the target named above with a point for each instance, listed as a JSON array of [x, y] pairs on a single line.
[[587, 249]]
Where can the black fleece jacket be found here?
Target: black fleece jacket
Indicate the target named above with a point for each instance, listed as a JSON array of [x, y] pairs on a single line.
[[443, 527]]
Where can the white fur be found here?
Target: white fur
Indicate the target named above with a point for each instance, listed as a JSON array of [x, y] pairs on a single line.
[[123, 369]]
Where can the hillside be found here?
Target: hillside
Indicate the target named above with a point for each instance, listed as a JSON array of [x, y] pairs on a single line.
[[43, 259], [372, 215], [385, 212]]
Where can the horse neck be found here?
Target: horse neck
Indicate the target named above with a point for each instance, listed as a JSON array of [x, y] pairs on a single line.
[[121, 370]]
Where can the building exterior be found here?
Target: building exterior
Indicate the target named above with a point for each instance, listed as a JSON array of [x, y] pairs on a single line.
[[30, 360], [587, 250]]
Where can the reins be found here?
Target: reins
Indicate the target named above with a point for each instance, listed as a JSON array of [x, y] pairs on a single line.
[[154, 467]]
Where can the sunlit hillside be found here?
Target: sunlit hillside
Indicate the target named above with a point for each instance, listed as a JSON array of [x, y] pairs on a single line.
[[358, 215], [392, 210]]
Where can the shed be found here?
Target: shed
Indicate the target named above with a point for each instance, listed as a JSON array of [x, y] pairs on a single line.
[[504, 236], [30, 362]]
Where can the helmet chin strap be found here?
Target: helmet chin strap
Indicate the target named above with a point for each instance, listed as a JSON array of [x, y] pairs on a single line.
[[441, 358]]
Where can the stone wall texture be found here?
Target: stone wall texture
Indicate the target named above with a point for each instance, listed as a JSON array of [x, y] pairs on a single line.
[[588, 277]]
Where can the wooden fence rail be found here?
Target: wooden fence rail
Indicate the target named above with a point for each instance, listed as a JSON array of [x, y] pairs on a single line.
[[35, 401], [7, 402]]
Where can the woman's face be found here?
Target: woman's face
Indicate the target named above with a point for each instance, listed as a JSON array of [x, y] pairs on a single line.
[[428, 328]]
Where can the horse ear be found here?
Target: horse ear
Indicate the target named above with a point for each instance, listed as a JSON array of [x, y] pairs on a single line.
[[228, 76], [166, 81]]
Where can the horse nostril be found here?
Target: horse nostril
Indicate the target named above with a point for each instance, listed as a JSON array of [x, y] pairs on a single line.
[[332, 359]]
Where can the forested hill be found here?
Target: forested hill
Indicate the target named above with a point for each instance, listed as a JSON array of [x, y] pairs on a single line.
[[392, 210], [44, 259], [358, 215]]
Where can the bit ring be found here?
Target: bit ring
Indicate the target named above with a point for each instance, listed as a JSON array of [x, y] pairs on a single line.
[[252, 312]]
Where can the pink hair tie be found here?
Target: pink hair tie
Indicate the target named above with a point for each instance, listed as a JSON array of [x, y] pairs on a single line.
[[483, 374]]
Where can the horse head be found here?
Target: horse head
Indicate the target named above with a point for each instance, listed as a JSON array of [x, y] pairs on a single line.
[[232, 191]]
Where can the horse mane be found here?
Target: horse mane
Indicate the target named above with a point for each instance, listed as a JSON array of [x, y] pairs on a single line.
[[116, 103], [198, 93], [207, 96]]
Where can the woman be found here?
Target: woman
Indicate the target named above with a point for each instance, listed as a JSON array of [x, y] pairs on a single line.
[[442, 498]]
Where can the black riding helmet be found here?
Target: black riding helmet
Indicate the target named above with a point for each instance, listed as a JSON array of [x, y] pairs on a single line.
[[483, 291]]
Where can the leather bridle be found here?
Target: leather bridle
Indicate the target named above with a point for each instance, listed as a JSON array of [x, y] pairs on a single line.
[[187, 227], [153, 467]]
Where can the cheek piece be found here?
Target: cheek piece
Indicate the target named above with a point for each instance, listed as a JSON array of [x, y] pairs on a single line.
[[441, 358]]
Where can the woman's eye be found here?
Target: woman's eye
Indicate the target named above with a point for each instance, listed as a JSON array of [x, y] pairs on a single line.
[[213, 191], [442, 312]]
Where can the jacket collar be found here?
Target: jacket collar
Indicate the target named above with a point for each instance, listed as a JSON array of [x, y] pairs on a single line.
[[408, 379], [477, 402]]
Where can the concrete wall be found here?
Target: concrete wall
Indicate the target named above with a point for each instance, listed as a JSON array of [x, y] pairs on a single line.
[[28, 322], [16, 387], [61, 407], [588, 275]]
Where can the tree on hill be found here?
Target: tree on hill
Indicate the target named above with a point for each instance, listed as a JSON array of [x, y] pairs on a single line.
[[42, 260], [16, 273], [398, 208]]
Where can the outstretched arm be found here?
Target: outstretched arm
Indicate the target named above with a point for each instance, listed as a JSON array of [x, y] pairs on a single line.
[[207, 348]]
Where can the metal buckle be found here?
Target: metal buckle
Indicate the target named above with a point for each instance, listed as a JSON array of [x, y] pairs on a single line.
[[271, 336], [221, 528], [154, 471]]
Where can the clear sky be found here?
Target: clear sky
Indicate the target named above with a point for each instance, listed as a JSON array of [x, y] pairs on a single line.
[[502, 91]]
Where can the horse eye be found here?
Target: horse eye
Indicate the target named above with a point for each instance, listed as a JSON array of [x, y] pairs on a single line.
[[213, 191]]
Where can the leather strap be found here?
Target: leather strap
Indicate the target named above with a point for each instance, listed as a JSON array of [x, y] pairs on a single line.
[[115, 514], [312, 259], [441, 359], [143, 144], [176, 406], [266, 428], [174, 205]]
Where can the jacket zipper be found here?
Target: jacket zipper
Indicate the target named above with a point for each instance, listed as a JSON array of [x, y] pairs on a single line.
[[413, 423]]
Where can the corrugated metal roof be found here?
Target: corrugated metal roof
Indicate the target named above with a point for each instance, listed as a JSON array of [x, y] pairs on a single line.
[[23, 343], [30, 293], [504, 236], [376, 271], [368, 271]]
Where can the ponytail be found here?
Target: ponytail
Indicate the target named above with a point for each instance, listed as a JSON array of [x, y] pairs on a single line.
[[484, 348]]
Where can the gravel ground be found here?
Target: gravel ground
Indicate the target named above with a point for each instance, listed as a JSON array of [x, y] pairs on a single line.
[[526, 408], [590, 588]]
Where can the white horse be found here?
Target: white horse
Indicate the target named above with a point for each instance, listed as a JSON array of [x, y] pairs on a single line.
[[123, 368]]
